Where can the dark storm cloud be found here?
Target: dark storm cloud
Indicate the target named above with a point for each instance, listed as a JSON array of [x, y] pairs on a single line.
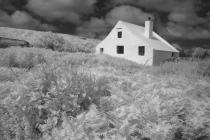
[[21, 19], [127, 13], [184, 22], [14, 14], [185, 19], [100, 26], [159, 5], [10, 6], [49, 14], [95, 27], [202, 7], [62, 10]]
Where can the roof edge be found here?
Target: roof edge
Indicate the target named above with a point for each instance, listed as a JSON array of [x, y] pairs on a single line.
[[154, 34], [164, 41]]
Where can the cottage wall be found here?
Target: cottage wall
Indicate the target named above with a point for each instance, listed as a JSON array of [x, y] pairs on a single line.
[[160, 56], [130, 43], [157, 49]]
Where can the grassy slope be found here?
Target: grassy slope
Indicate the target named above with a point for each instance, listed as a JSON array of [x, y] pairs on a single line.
[[34, 36], [157, 99], [152, 102]]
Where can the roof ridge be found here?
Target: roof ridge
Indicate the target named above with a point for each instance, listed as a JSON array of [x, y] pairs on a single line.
[[130, 23]]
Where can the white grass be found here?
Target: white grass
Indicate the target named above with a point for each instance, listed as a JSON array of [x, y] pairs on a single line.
[[157, 103]]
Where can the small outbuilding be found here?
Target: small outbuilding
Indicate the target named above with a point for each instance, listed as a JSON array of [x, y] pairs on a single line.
[[136, 43]]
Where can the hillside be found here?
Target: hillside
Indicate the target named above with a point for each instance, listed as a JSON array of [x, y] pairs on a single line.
[[52, 95], [34, 37]]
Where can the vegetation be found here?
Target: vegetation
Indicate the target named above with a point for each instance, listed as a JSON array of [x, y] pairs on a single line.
[[187, 68], [57, 42], [57, 95], [50, 40], [53, 92], [198, 53], [82, 96], [25, 58], [201, 53]]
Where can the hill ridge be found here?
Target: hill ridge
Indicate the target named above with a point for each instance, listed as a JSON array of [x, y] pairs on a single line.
[[32, 36]]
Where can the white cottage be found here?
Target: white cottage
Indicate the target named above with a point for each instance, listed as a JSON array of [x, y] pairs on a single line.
[[137, 43]]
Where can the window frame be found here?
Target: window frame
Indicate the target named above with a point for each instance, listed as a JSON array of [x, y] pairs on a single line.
[[141, 50], [173, 54], [120, 49], [119, 34], [101, 50]]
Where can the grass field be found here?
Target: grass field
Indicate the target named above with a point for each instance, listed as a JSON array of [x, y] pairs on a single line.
[[35, 38], [52, 95]]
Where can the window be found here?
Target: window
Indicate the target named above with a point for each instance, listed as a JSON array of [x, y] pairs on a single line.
[[172, 54], [119, 34], [141, 50], [101, 50], [120, 49]]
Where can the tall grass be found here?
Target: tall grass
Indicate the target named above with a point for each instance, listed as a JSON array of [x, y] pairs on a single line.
[[50, 92], [189, 68], [57, 42], [52, 41], [79, 47], [25, 57], [10, 74], [30, 57], [61, 98], [67, 43]]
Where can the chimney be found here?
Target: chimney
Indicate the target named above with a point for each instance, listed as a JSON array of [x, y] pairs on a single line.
[[148, 28]]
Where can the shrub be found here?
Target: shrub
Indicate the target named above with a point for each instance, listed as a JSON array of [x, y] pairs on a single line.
[[86, 47], [22, 57], [9, 60], [190, 69], [204, 68], [69, 47], [7, 74], [46, 96], [200, 53], [52, 41], [78, 89], [58, 43]]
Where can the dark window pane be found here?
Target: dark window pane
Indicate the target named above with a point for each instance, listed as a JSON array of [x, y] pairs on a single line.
[[141, 50], [101, 50], [120, 34], [120, 49], [172, 54]]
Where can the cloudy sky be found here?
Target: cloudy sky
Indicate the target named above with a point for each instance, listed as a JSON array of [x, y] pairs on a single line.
[[182, 22]]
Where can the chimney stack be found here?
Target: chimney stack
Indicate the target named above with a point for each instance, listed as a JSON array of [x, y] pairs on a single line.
[[148, 28]]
